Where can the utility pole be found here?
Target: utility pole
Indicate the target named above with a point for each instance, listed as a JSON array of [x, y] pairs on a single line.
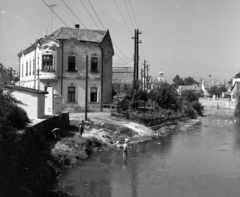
[[210, 81], [144, 74], [147, 76], [86, 89], [136, 56]]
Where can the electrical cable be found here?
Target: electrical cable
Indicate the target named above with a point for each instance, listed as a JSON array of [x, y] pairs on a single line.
[[129, 14], [133, 13], [89, 14], [123, 17]]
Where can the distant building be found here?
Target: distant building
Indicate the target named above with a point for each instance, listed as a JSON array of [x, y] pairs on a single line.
[[122, 80], [57, 64], [160, 77]]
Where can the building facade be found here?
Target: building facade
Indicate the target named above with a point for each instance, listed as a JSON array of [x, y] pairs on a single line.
[[57, 63]]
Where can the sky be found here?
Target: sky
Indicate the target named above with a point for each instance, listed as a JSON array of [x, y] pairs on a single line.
[[194, 38]]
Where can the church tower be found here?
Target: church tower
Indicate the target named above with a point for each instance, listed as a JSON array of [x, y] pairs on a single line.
[[160, 76]]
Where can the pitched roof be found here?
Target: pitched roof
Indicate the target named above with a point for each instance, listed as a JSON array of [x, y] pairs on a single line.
[[80, 34]]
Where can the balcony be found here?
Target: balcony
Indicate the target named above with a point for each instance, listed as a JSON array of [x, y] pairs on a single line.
[[47, 75]]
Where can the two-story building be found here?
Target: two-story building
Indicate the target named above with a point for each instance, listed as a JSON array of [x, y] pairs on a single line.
[[57, 63]]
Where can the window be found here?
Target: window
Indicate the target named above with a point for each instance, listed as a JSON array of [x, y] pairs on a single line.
[[33, 66], [26, 68], [71, 94], [94, 64], [30, 68], [22, 70], [47, 62], [93, 96], [71, 63]]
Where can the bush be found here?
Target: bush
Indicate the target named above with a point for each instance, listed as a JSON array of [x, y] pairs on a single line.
[[198, 107], [189, 95], [237, 109], [190, 112], [17, 116]]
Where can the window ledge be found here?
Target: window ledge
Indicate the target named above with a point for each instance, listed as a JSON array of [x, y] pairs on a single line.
[[52, 71], [72, 71], [71, 102], [95, 72], [94, 102]]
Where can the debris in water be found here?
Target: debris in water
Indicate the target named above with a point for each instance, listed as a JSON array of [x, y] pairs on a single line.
[[159, 143]]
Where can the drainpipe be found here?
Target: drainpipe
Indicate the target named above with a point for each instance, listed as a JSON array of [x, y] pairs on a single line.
[[19, 70], [62, 73], [101, 78], [35, 70]]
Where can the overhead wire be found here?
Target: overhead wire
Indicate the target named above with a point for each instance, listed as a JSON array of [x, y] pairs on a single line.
[[133, 13], [123, 17], [74, 14], [96, 14], [89, 14], [105, 28], [129, 14]]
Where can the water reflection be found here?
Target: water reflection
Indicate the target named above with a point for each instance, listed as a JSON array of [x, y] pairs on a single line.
[[199, 162]]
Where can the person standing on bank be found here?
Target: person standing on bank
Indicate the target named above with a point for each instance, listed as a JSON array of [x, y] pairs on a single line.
[[81, 128], [125, 147]]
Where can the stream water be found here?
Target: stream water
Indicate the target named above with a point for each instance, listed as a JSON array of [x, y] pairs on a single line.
[[201, 161]]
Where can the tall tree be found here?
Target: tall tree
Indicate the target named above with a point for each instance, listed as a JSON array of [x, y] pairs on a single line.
[[178, 80], [189, 81]]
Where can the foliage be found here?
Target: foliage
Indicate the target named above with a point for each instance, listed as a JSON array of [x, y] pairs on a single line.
[[11, 115], [166, 97], [215, 90], [190, 111], [189, 81], [199, 108], [237, 109], [237, 75], [189, 95], [178, 81]]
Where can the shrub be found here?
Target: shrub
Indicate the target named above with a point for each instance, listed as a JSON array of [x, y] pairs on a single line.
[[190, 112], [198, 107], [189, 95], [237, 109]]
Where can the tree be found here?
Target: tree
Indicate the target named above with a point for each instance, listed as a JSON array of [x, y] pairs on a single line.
[[189, 81], [237, 75], [178, 81], [189, 95], [166, 97]]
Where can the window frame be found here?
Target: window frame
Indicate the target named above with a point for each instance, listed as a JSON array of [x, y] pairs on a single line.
[[93, 99], [26, 68], [74, 69], [97, 66], [48, 67], [71, 94]]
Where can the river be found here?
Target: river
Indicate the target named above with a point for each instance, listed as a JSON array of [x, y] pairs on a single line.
[[201, 161]]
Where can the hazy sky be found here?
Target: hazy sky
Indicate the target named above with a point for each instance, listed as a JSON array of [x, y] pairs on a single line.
[[185, 37]]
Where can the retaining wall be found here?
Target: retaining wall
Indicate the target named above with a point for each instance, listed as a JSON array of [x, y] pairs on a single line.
[[220, 103]]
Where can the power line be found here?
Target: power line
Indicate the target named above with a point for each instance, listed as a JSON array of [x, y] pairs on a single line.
[[105, 29], [129, 14], [96, 14], [89, 14], [86, 27], [133, 13], [123, 17], [73, 13]]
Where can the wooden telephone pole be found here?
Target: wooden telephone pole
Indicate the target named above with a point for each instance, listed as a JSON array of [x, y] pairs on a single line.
[[136, 56]]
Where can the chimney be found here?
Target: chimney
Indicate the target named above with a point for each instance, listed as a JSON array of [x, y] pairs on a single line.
[[77, 26]]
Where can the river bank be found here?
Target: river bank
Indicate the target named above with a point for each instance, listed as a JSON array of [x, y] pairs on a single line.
[[102, 135]]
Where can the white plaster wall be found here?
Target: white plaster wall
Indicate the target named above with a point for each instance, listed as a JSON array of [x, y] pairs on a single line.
[[31, 101]]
